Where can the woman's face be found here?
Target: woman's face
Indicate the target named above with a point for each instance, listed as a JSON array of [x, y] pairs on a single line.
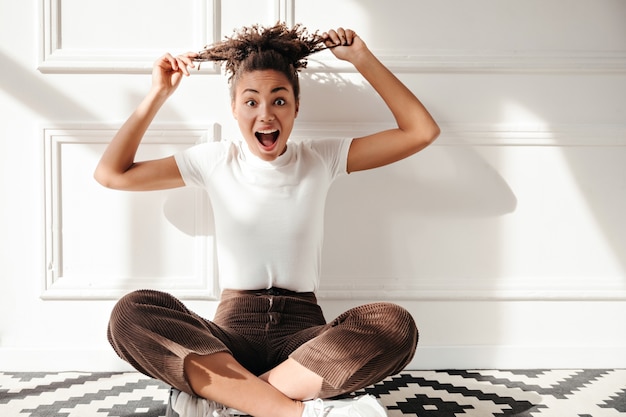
[[265, 108]]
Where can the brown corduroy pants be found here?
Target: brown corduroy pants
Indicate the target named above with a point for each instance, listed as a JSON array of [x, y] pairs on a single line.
[[154, 332]]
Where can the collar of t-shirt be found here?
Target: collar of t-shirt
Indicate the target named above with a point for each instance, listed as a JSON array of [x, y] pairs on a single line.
[[254, 160]]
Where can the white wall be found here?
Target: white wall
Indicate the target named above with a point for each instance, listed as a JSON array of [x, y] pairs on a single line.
[[505, 238]]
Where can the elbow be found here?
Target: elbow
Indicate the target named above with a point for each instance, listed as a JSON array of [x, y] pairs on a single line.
[[425, 137], [432, 134], [101, 179], [98, 176], [104, 179]]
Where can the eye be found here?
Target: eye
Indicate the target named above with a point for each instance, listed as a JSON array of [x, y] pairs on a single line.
[[250, 103], [280, 102]]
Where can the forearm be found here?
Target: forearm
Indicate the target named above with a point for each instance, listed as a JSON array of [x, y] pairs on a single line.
[[119, 155], [410, 114]]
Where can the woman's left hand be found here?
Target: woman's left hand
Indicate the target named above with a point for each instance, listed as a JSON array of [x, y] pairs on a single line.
[[345, 44]]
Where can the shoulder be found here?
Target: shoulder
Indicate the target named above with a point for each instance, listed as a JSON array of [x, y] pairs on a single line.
[[324, 147], [332, 152], [198, 162], [212, 150]]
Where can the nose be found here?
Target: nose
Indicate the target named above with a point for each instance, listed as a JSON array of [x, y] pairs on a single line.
[[266, 114]]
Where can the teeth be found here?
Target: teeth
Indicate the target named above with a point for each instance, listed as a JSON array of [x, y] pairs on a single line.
[[267, 132]]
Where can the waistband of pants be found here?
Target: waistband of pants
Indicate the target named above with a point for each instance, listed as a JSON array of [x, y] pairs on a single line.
[[273, 292]]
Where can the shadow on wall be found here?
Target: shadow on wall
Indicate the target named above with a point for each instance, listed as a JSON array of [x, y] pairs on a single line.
[[451, 181], [180, 210], [430, 216], [22, 84], [339, 98], [440, 181]]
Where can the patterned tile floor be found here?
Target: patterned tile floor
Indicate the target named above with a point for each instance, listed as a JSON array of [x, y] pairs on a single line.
[[484, 393]]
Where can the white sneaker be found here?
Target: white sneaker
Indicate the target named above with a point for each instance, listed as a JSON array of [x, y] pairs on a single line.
[[181, 404], [363, 406]]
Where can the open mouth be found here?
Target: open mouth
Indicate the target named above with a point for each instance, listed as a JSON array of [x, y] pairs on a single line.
[[267, 138]]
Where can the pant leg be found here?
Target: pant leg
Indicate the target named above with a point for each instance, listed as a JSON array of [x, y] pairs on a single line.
[[154, 332], [360, 347]]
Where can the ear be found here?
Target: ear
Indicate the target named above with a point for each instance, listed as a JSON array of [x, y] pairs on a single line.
[[232, 109], [297, 108]]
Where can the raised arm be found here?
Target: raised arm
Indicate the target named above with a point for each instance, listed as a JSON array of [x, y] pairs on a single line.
[[117, 167], [416, 128]]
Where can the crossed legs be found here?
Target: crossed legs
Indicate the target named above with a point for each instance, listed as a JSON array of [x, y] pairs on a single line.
[[156, 334], [222, 379]]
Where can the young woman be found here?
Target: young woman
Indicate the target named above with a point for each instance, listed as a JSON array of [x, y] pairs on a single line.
[[269, 351]]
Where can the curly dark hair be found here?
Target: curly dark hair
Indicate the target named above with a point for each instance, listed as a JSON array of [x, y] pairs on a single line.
[[257, 48]]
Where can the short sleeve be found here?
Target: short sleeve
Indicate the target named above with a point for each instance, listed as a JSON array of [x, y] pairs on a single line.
[[334, 153], [198, 162]]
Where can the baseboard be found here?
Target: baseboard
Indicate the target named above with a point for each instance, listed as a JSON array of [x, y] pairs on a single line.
[[519, 357], [61, 359], [426, 358]]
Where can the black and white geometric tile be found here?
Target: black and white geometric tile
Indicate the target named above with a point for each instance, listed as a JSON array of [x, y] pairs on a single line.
[[444, 393], [74, 394], [540, 393]]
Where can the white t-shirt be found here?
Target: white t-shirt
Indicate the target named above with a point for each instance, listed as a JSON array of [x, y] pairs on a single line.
[[269, 216]]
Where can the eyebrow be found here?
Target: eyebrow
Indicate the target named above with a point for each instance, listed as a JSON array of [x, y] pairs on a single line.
[[252, 90]]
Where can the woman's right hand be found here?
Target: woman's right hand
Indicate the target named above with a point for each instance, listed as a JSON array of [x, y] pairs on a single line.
[[167, 71]]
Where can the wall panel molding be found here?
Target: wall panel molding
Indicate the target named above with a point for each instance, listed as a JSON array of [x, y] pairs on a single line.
[[101, 243], [344, 285], [485, 37], [55, 58], [520, 289], [472, 61], [486, 134], [207, 21], [286, 10], [207, 26]]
